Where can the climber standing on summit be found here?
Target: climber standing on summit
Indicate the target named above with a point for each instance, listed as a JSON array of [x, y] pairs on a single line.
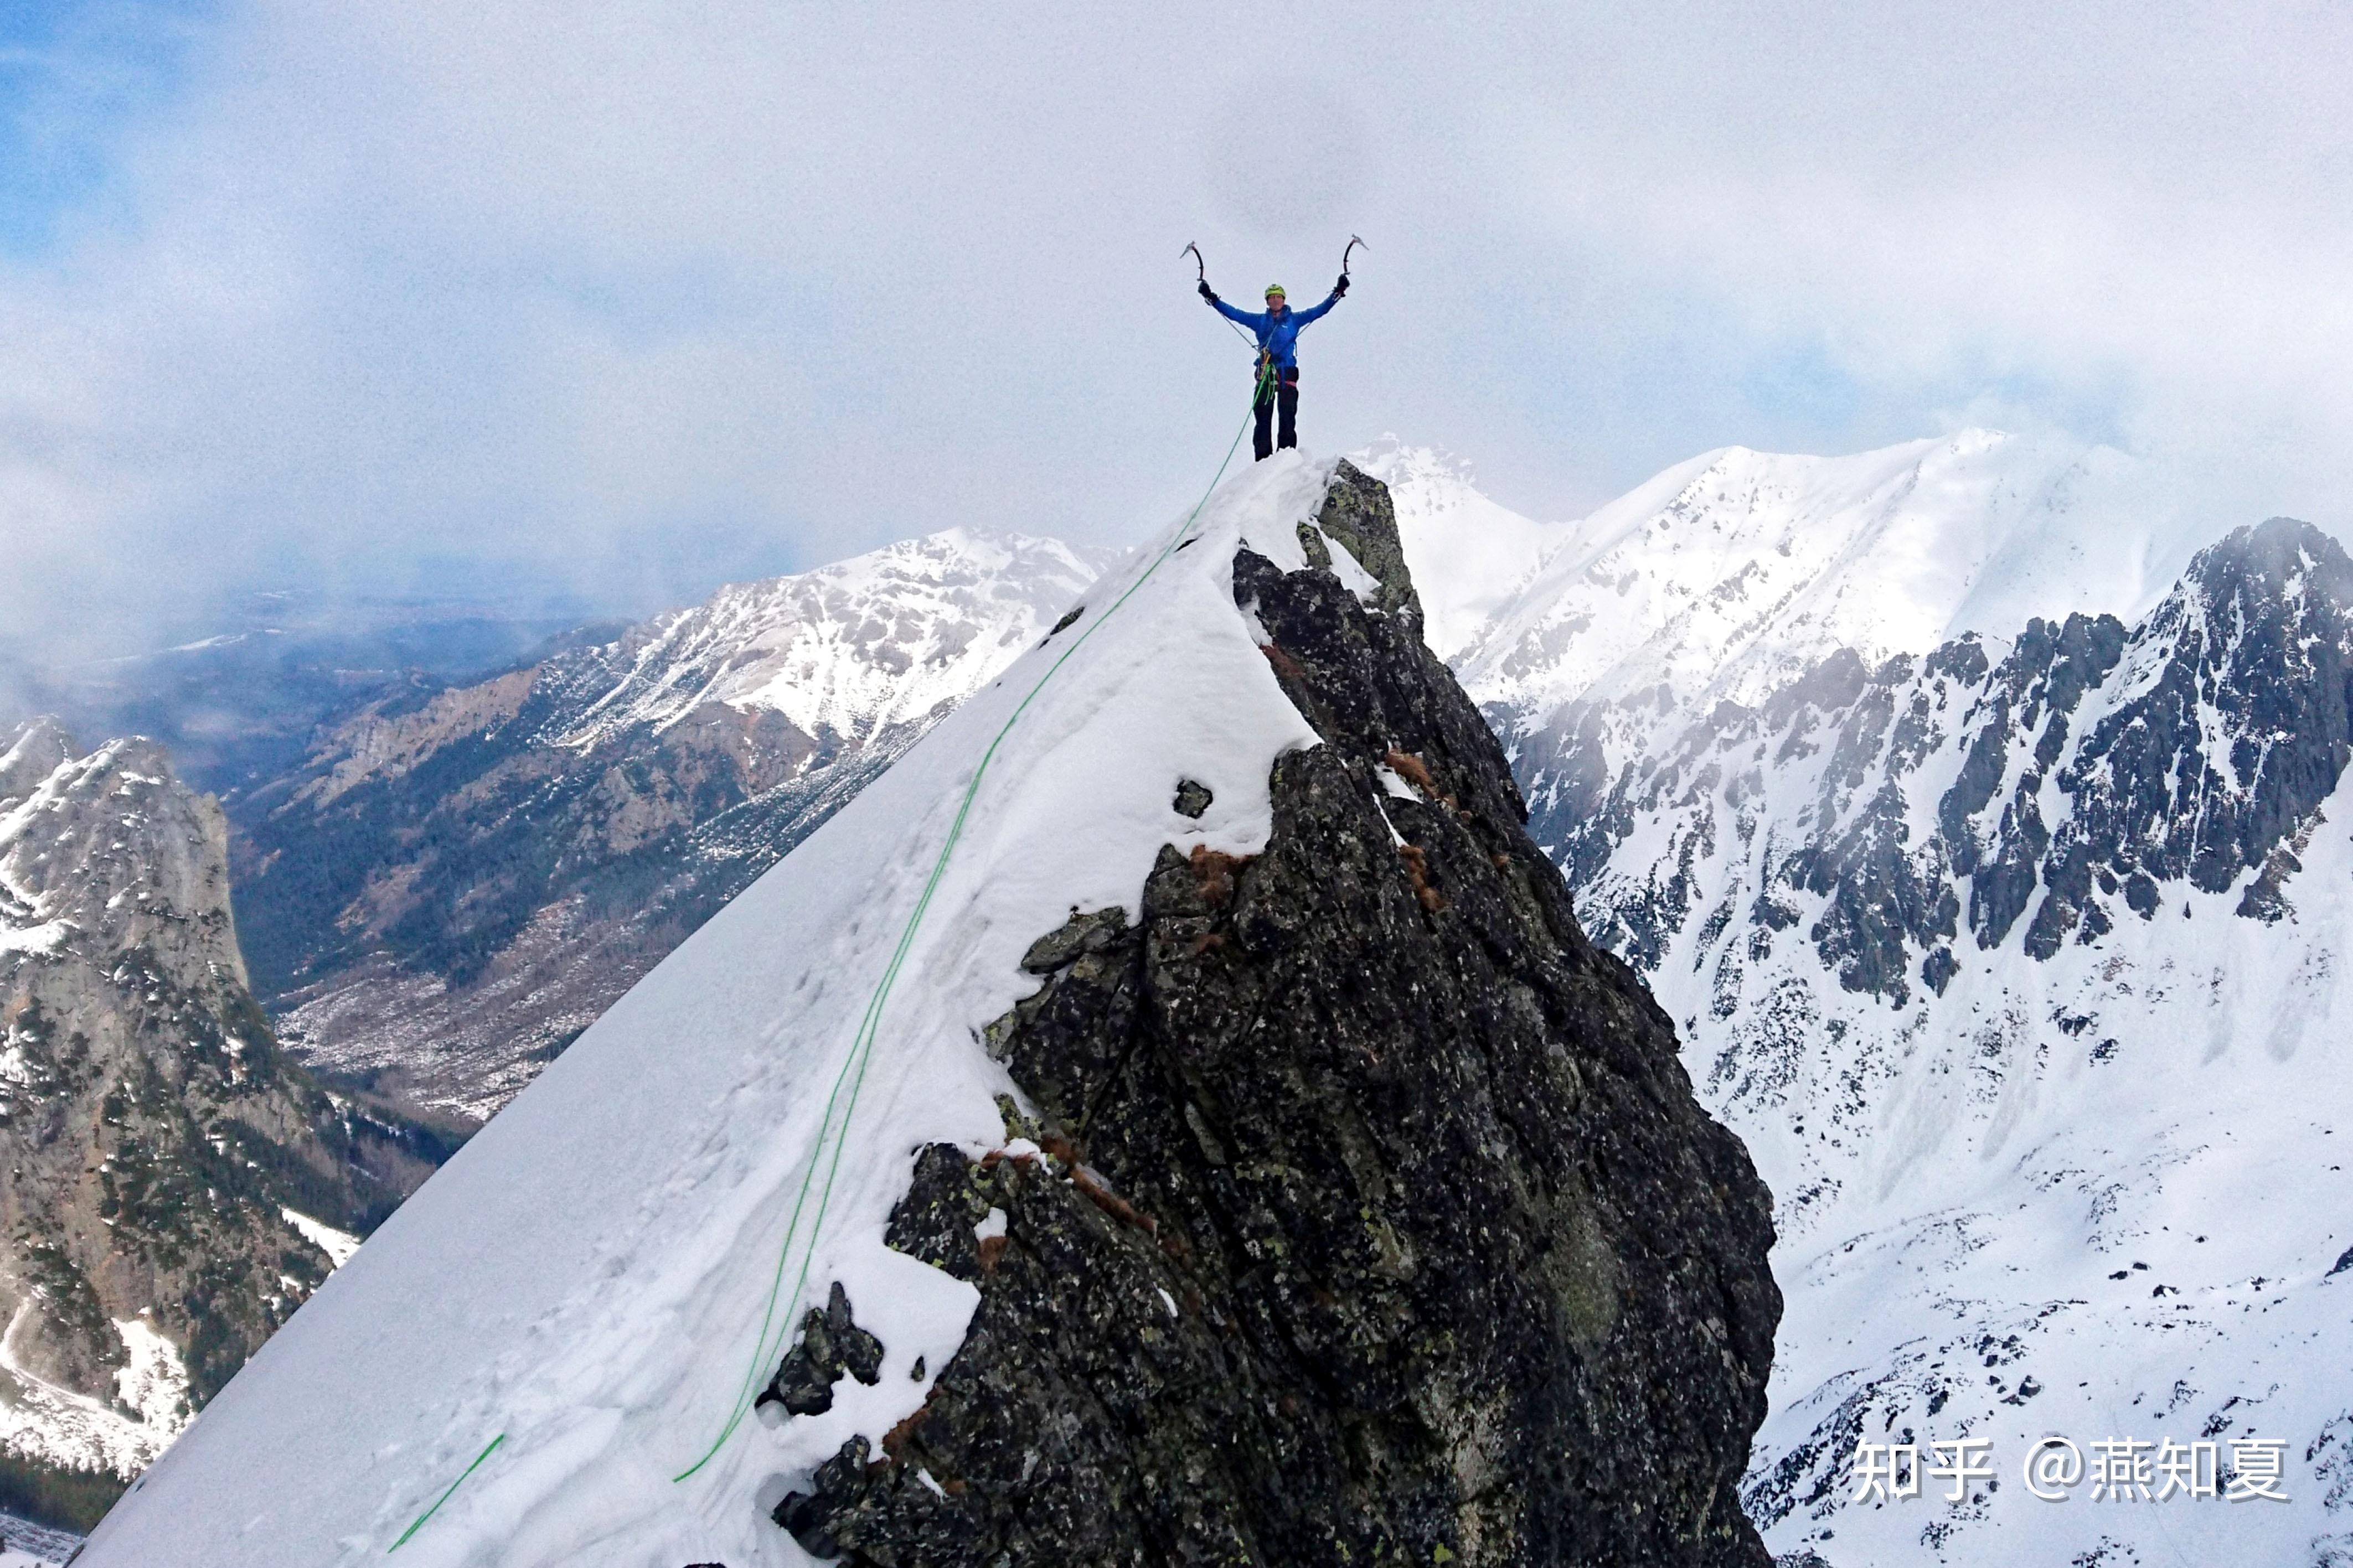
[[1276, 368]]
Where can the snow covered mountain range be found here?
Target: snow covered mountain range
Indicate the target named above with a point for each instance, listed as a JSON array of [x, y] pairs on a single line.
[[1982, 840], [1234, 1154], [1972, 814], [457, 880]]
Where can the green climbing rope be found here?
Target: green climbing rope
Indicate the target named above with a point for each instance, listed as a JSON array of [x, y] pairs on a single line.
[[861, 1045], [852, 1072], [419, 1522]]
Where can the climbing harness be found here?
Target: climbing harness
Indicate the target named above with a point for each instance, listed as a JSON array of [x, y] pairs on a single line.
[[852, 1073]]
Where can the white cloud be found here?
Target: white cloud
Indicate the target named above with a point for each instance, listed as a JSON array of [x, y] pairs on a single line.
[[626, 296]]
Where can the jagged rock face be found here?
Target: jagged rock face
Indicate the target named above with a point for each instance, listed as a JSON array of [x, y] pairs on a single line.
[[2067, 786], [2018, 966], [456, 883], [151, 1134], [1375, 1220], [1887, 828]]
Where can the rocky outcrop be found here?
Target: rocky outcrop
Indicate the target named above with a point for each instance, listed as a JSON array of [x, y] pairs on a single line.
[[1366, 1215], [170, 1185]]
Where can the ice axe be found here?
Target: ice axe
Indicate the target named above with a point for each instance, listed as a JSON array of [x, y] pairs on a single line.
[[1353, 242], [1202, 267]]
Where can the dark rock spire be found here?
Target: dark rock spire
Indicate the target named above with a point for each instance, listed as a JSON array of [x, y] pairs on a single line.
[[1376, 1221]]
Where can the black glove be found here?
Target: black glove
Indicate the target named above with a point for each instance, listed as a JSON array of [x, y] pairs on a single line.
[[1209, 293], [1341, 287]]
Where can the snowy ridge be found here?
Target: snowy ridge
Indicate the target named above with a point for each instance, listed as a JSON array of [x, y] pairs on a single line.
[[1726, 575], [853, 647], [619, 1225]]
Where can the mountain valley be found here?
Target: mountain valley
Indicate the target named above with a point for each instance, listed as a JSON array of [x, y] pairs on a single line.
[[454, 881]]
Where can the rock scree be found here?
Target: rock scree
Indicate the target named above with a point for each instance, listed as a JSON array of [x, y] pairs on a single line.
[[1365, 1213]]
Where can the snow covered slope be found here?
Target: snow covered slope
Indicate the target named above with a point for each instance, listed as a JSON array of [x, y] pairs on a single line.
[[583, 1281], [1251, 1161], [456, 882], [2010, 946]]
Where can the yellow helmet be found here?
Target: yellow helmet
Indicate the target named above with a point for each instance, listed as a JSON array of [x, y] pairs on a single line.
[[1274, 291]]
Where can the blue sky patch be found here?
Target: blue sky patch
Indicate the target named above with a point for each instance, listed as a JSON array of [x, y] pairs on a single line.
[[73, 75]]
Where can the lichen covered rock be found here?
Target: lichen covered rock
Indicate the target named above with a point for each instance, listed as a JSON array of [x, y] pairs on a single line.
[[830, 1344]]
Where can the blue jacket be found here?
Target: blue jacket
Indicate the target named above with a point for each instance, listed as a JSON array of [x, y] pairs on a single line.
[[1278, 330]]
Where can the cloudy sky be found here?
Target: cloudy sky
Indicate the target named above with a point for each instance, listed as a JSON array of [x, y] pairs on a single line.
[[619, 298]]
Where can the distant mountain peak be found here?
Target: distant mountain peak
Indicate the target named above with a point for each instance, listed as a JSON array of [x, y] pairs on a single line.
[[1394, 460], [1726, 575], [851, 647]]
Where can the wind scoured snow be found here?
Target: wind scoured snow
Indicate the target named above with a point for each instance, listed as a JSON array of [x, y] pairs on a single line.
[[587, 1276]]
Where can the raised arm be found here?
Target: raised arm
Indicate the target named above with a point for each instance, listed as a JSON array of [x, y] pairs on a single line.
[[1317, 313], [1256, 323]]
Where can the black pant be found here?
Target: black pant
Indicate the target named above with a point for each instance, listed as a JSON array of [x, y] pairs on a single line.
[[1284, 394]]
